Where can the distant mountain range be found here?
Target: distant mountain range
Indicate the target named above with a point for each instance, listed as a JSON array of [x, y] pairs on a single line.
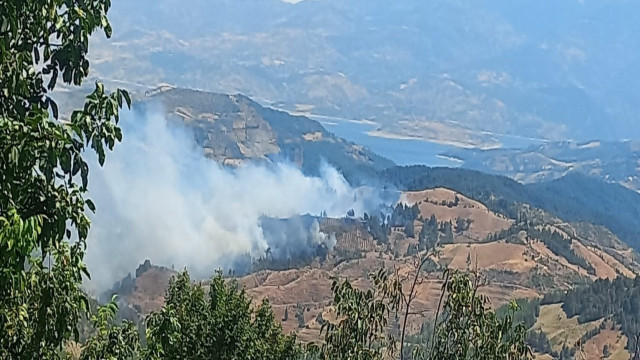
[[617, 162], [453, 70]]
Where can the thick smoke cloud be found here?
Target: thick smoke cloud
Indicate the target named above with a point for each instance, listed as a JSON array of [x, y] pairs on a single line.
[[159, 198]]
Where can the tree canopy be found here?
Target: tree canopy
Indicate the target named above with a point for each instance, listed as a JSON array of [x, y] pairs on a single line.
[[43, 173]]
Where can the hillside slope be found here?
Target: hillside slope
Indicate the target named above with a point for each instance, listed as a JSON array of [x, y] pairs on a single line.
[[519, 258], [573, 198], [234, 129]]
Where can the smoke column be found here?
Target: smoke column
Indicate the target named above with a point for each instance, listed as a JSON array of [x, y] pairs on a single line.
[[158, 197]]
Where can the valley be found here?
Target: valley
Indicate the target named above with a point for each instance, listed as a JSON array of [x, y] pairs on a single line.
[[517, 256]]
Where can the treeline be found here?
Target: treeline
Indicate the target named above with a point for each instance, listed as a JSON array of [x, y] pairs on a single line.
[[378, 227], [574, 197], [527, 314], [618, 300], [554, 240], [561, 246], [405, 216], [431, 234]]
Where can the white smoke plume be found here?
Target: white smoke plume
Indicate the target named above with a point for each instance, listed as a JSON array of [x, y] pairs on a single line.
[[159, 198]]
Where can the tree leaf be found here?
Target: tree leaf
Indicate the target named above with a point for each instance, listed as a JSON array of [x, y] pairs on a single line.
[[90, 205]]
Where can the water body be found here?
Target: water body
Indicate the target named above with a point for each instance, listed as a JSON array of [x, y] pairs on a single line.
[[401, 151], [407, 151]]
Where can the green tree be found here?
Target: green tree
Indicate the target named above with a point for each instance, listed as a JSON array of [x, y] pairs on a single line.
[[220, 325], [470, 329], [111, 341], [43, 175], [448, 233], [300, 316], [360, 331]]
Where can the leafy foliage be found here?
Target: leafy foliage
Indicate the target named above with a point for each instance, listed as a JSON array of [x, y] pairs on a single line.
[[527, 314], [43, 175], [362, 317], [469, 328], [220, 325], [111, 341]]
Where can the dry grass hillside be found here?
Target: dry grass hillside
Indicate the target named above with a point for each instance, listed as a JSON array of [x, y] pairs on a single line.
[[145, 293], [562, 330], [559, 329], [440, 202], [520, 259], [310, 289], [613, 339], [518, 266]]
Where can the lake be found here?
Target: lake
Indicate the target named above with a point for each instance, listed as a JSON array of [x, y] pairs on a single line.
[[405, 151]]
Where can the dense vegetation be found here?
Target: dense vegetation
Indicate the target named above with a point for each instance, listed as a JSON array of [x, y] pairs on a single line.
[[574, 197], [220, 325], [404, 216], [43, 174], [378, 227], [466, 328], [528, 312]]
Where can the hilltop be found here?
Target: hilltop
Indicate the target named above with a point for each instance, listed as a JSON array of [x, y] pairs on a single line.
[[575, 197], [234, 129]]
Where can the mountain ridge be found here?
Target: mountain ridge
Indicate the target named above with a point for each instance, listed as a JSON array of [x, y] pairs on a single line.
[[234, 129]]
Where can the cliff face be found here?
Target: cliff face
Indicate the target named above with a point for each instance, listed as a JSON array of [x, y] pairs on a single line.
[[234, 129]]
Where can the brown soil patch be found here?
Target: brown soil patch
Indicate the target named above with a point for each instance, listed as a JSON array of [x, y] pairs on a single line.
[[614, 339], [149, 290], [496, 255]]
